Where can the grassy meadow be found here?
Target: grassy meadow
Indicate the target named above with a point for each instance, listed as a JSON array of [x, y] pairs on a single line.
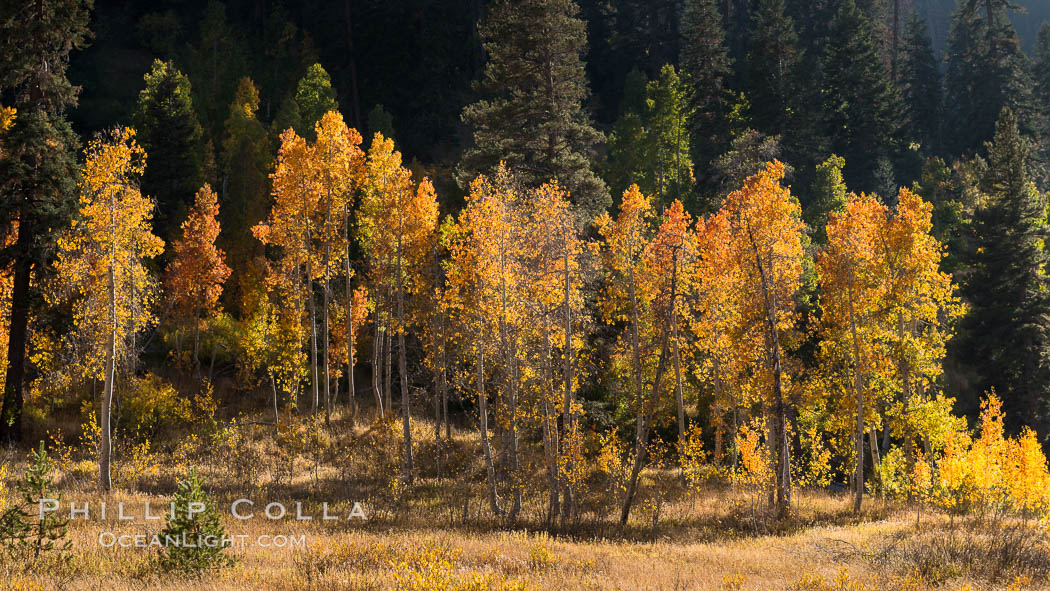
[[438, 532]]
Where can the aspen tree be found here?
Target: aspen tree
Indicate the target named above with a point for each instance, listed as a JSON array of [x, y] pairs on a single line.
[[198, 270], [101, 261], [397, 222], [766, 238]]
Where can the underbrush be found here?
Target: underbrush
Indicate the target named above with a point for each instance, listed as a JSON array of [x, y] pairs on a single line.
[[996, 552]]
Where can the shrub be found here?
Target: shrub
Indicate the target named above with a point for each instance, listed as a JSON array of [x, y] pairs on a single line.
[[149, 405], [196, 529], [997, 553], [693, 460], [754, 473]]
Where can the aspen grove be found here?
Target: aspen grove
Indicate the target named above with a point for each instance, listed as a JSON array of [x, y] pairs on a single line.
[[707, 319], [526, 294]]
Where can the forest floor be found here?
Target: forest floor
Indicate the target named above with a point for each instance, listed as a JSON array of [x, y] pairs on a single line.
[[437, 535]]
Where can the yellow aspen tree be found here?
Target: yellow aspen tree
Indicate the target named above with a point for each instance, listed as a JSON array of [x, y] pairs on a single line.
[[766, 238], [921, 307], [290, 228], [665, 275], [715, 321], [271, 338], [485, 279], [629, 298], [397, 222], [432, 316], [101, 261], [553, 291], [338, 166], [853, 303], [672, 256]]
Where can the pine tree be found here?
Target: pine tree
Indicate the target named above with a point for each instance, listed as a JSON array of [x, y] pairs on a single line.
[[170, 133], [314, 97], [860, 105], [626, 163], [668, 145], [920, 80], [986, 72], [1042, 68], [705, 64], [215, 63], [827, 196], [1041, 74], [773, 63], [38, 170], [1008, 326], [194, 535], [782, 98], [287, 52], [747, 156], [245, 163], [24, 528], [534, 118], [649, 145]]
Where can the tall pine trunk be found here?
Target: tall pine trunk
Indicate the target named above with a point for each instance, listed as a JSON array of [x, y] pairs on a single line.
[[11, 412]]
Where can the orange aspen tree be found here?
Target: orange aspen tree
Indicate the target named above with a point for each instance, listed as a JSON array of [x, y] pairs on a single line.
[[198, 268], [397, 222], [338, 165], [485, 282], [100, 262], [290, 228], [666, 275], [717, 309], [766, 238], [672, 256], [853, 305]]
